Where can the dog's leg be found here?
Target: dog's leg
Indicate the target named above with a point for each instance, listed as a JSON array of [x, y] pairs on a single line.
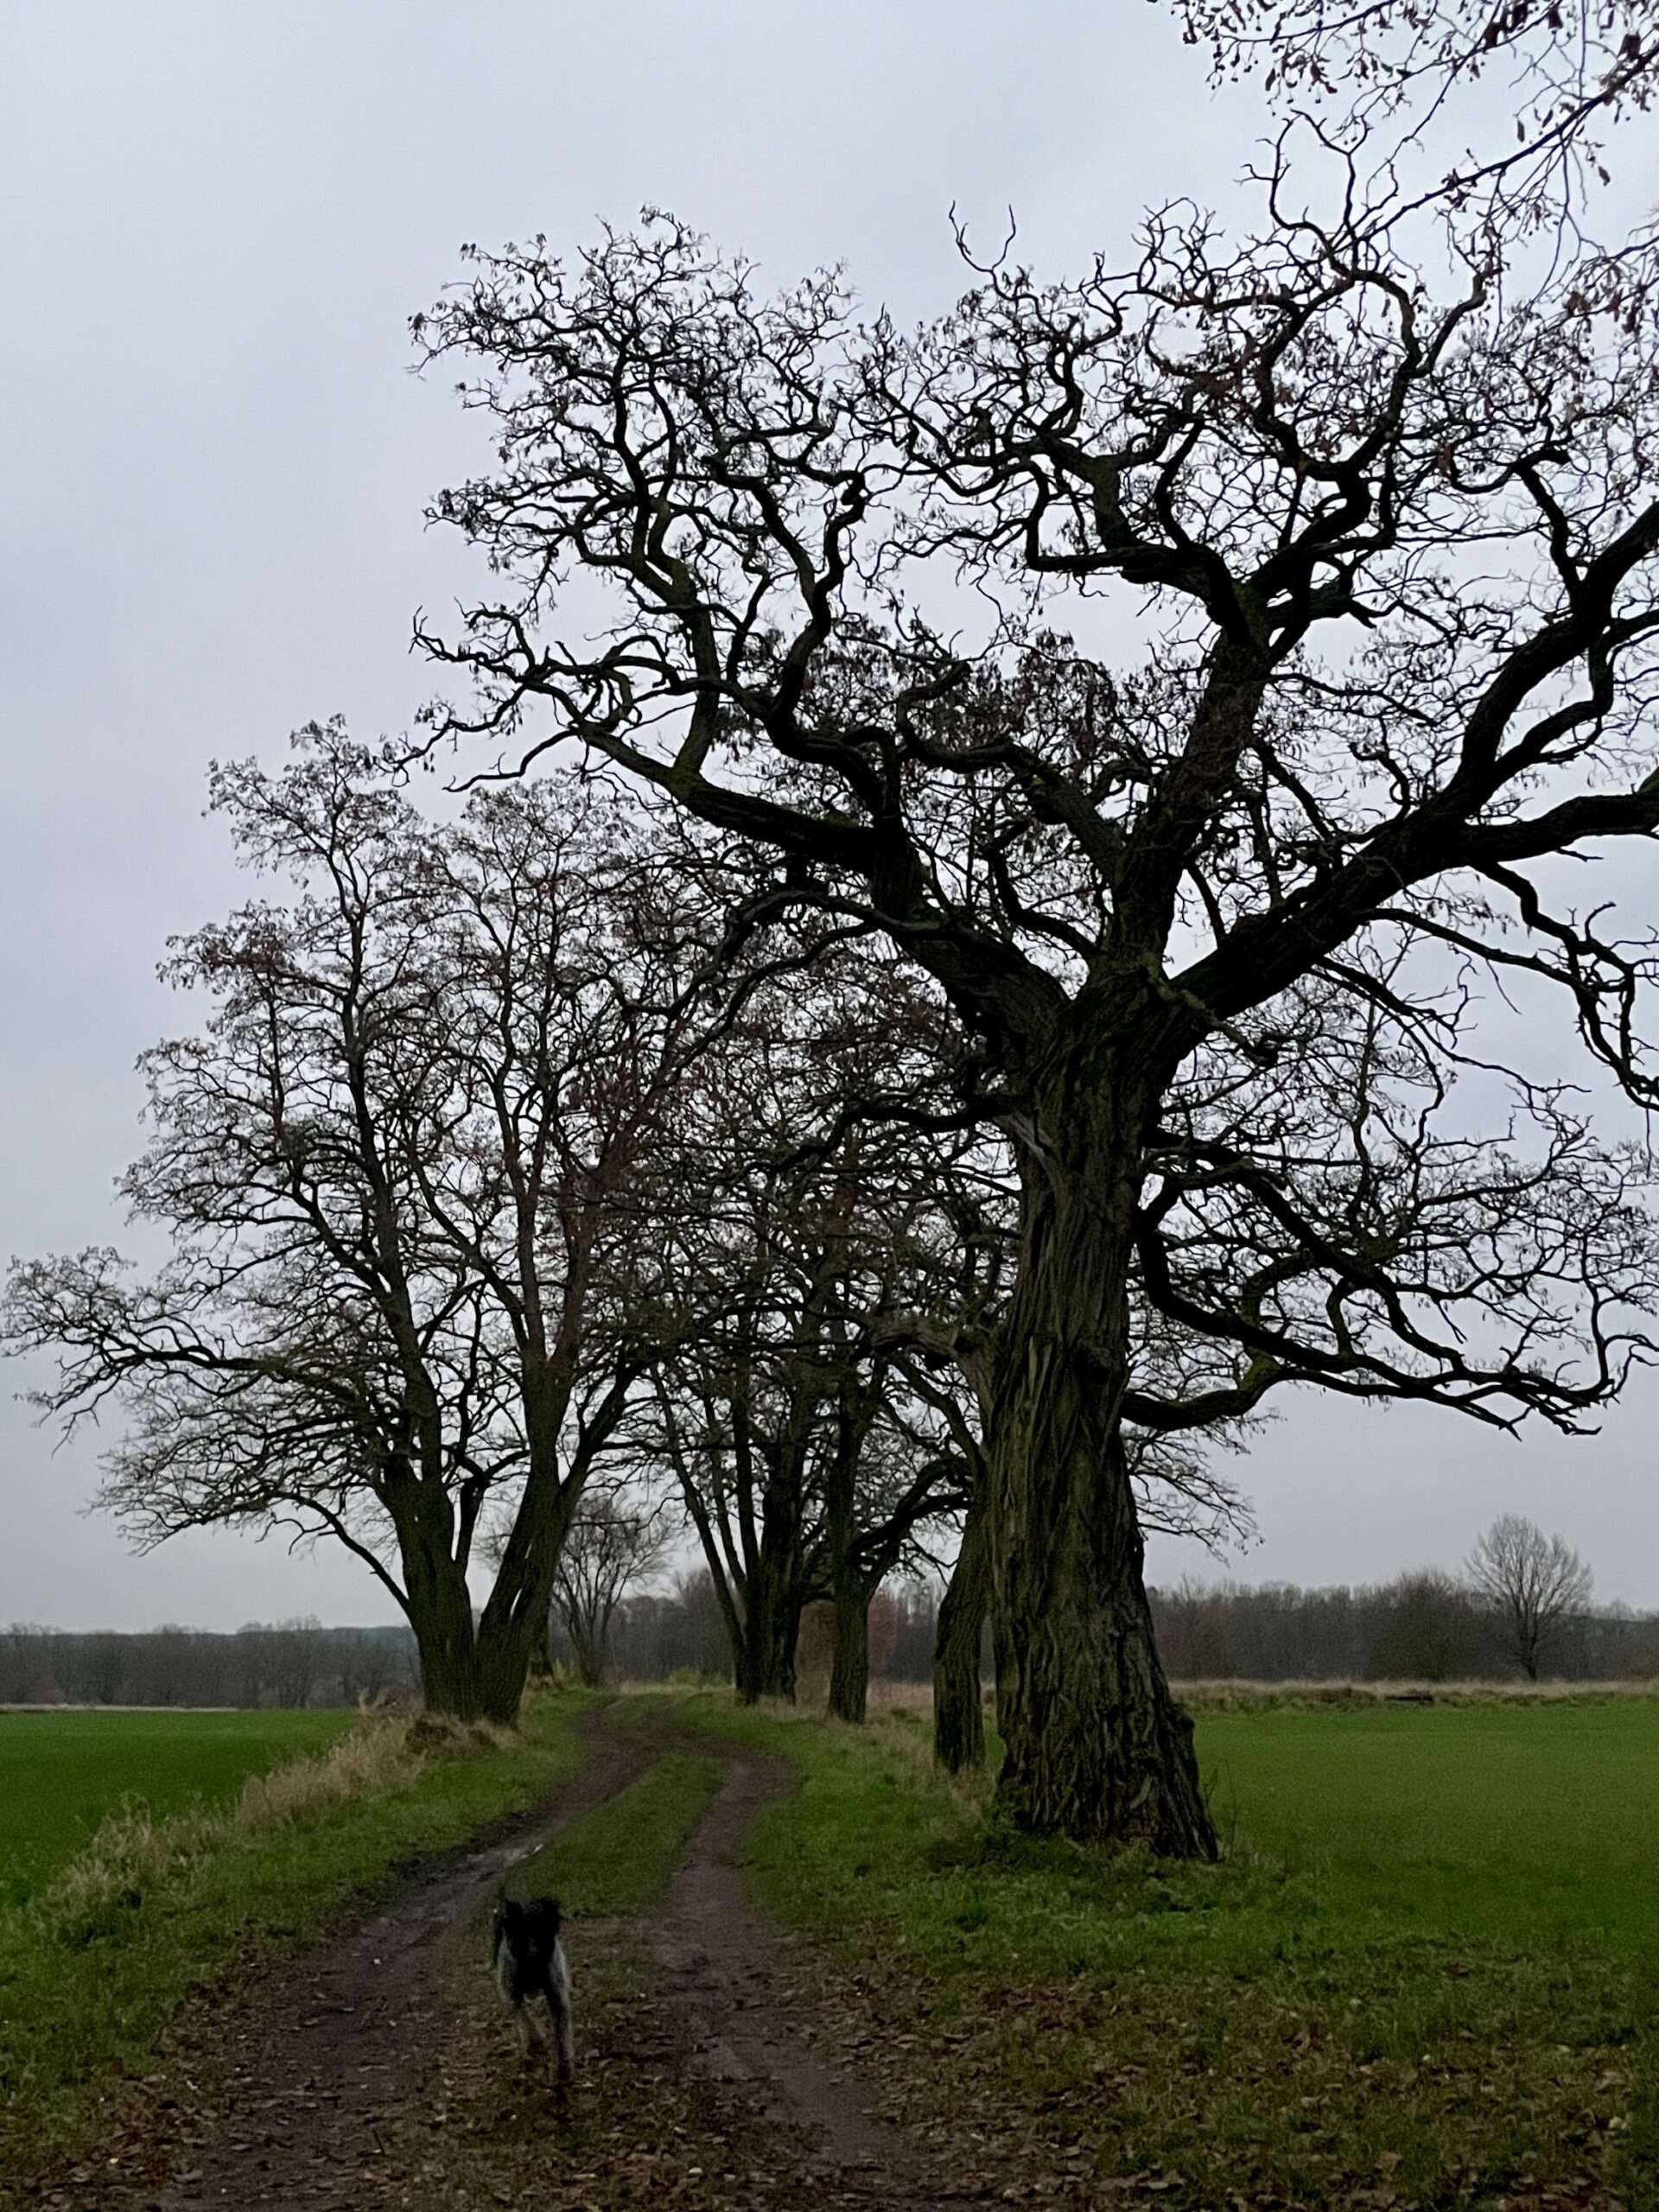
[[528, 2034], [558, 2007]]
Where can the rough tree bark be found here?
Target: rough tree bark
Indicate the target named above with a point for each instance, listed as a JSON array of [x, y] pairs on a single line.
[[958, 1711], [1097, 1749], [474, 1666], [773, 1598], [849, 1665], [850, 1585], [771, 1629]]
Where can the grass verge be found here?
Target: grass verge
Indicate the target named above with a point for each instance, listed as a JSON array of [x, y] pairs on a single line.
[[96, 1963], [1422, 1977], [618, 1858]]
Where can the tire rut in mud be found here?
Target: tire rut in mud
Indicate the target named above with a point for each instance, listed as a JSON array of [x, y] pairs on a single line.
[[724, 1977]]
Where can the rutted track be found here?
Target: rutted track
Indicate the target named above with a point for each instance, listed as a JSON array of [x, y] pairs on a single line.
[[323, 2087], [308, 2083], [721, 1965]]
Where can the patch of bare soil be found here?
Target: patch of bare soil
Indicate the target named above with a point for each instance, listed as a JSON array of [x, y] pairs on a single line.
[[376, 2070]]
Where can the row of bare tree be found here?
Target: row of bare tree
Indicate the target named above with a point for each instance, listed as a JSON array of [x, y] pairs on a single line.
[[516, 1220], [993, 1072], [489, 1188]]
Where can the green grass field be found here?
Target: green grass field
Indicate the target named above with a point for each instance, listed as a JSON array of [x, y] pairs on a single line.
[[1537, 1825], [63, 1772], [1423, 1974]]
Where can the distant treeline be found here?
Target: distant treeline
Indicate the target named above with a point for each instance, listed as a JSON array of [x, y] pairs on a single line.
[[286, 1662], [1423, 1627]]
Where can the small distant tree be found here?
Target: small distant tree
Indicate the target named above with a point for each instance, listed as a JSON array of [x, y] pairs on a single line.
[[25, 1675], [297, 1654], [1531, 1584], [365, 1660], [104, 1664], [613, 1545]]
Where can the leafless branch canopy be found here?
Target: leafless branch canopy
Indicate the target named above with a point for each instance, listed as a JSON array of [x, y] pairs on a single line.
[[1380, 524]]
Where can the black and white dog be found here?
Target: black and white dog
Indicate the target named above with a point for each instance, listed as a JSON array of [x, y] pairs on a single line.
[[529, 1961]]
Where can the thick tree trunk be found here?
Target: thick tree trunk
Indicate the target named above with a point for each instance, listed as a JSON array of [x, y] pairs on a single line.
[[473, 1669], [440, 1604], [457, 1678], [504, 1667], [849, 1664], [1097, 1749], [771, 1629], [958, 1711], [466, 1671], [772, 1604]]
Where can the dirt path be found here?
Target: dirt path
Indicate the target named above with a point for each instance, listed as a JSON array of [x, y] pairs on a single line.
[[373, 2072], [725, 1979], [309, 2073]]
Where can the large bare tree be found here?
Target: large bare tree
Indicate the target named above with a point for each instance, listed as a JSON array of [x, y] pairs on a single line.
[[406, 1173], [1221, 924]]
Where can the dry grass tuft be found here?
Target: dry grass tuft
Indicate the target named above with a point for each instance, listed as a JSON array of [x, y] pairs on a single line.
[[130, 1855], [440, 1735], [1224, 1696], [915, 1700], [379, 1754]]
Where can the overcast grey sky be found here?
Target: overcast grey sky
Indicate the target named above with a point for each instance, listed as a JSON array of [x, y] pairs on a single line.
[[216, 220]]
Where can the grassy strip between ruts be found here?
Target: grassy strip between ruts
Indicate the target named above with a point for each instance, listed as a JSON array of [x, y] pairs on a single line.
[[1305, 2025], [91, 1968], [618, 1858]]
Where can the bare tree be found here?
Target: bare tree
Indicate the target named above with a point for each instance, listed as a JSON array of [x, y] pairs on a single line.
[[405, 1173], [1214, 924], [1532, 1584], [1426, 1629], [798, 1225], [615, 1543], [1399, 76]]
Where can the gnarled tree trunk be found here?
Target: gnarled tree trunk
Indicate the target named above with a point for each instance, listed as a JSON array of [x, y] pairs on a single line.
[[958, 1713], [438, 1602], [770, 1633], [1097, 1749], [850, 1585], [849, 1664]]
